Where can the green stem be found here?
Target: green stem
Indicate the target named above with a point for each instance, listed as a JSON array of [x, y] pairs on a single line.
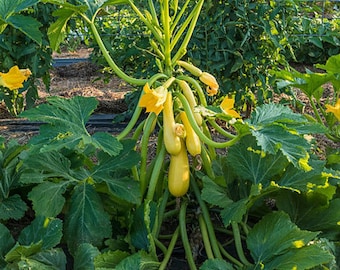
[[220, 130], [228, 256], [207, 163], [184, 235], [171, 247], [149, 25], [179, 16], [110, 61], [153, 12], [167, 37], [183, 48], [198, 131], [316, 112], [181, 30], [156, 172], [149, 123], [206, 216], [161, 210], [161, 246], [238, 244], [205, 237]]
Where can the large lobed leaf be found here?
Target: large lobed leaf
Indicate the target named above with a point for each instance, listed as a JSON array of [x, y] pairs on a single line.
[[86, 220], [277, 243], [276, 128], [66, 126]]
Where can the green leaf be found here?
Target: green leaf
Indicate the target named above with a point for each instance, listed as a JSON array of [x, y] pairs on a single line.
[[53, 259], [29, 26], [107, 142], [19, 252], [312, 212], [216, 264], [140, 260], [276, 127], [48, 199], [119, 184], [142, 224], [332, 64], [7, 241], [86, 220], [12, 207], [249, 162], [65, 125], [84, 257], [57, 30], [274, 240], [47, 231], [215, 194], [7, 8], [234, 212], [109, 259], [38, 167], [304, 258]]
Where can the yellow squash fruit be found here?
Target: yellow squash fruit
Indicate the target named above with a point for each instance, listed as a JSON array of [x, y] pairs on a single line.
[[179, 173], [192, 141], [189, 95], [172, 141]]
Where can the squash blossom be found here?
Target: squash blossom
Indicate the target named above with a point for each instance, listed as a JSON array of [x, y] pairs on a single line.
[[153, 99], [14, 78], [227, 106], [210, 81], [334, 109]]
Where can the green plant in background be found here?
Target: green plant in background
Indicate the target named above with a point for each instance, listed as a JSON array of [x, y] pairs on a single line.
[[23, 22], [116, 203], [325, 106]]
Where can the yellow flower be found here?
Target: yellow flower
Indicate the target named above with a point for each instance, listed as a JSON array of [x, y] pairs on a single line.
[[153, 100], [334, 109], [14, 78], [227, 106], [210, 81]]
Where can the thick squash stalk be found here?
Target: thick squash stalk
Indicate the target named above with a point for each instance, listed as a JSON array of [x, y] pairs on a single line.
[[179, 173], [172, 141], [192, 141], [187, 92]]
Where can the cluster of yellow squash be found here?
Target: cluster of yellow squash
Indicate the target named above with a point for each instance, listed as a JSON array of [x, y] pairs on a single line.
[[179, 140]]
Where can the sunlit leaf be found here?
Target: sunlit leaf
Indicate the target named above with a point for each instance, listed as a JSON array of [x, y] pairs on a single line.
[[249, 162], [86, 220], [275, 238], [19, 252]]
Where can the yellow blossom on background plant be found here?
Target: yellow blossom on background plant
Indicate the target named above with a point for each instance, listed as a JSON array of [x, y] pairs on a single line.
[[153, 99], [14, 78], [227, 106], [210, 81], [334, 109]]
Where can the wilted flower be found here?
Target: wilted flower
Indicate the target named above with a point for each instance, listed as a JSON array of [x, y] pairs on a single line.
[[334, 109], [210, 81], [227, 106], [153, 99], [14, 78]]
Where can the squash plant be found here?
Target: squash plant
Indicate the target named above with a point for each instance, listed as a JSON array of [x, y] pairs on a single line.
[[120, 209]]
